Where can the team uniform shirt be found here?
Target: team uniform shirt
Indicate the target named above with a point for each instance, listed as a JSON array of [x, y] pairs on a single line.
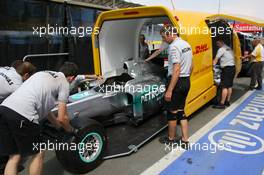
[[39, 95], [226, 56], [258, 52], [180, 52], [10, 80]]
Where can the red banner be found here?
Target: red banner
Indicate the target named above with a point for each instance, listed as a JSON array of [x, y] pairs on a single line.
[[246, 28]]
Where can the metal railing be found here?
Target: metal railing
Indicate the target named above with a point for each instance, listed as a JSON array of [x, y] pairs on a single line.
[[44, 55]]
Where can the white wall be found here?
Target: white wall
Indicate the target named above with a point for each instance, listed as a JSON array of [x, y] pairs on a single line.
[[118, 41]]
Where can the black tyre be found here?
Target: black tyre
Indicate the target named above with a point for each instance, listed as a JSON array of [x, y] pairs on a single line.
[[91, 143]]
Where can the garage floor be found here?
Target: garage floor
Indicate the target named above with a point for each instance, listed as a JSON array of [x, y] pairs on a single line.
[[151, 152]]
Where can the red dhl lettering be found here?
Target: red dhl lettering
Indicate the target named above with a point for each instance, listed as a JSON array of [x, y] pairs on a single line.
[[200, 49]]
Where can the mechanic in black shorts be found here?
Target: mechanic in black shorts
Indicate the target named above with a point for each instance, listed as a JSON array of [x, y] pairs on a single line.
[[21, 112], [179, 71], [12, 78], [227, 64]]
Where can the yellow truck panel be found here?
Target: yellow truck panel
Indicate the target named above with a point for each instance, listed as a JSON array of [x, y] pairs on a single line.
[[203, 88]]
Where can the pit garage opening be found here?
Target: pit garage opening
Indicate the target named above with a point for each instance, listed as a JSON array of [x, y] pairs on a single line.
[[220, 29], [119, 40]]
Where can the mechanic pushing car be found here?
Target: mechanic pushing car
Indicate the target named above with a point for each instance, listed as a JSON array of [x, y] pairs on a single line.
[[12, 77], [179, 71], [227, 64], [22, 111]]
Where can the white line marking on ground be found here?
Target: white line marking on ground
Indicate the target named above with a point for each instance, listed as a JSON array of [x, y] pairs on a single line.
[[160, 165]]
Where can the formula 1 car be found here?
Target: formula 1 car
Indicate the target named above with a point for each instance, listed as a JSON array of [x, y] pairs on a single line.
[[130, 95]]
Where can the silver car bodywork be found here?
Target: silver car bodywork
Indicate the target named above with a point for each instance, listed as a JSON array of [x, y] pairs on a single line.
[[136, 89]]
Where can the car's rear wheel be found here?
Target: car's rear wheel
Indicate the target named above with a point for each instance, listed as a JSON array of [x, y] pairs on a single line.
[[91, 143]]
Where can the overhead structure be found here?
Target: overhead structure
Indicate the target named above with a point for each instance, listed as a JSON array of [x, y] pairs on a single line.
[[241, 18], [110, 3]]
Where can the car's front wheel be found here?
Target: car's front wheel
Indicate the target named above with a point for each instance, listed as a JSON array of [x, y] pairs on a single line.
[[86, 149]]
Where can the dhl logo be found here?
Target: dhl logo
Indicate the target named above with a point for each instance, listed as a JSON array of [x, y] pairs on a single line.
[[200, 49]]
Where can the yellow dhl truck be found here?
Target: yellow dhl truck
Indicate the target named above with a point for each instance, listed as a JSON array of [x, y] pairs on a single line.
[[119, 31]]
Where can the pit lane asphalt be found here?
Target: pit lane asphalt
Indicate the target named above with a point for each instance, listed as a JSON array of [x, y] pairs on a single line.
[[151, 152]]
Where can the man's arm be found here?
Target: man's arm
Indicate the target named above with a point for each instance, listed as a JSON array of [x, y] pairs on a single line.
[[92, 77], [191, 69], [219, 54], [154, 55], [215, 61], [63, 117], [173, 81], [175, 76], [252, 56], [163, 47], [53, 120]]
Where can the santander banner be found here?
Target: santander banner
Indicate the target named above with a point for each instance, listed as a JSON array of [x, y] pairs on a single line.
[[246, 28]]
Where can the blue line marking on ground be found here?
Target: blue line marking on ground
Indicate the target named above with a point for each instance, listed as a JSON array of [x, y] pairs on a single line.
[[240, 140]]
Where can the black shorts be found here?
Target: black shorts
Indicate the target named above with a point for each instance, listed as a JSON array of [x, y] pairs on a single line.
[[18, 135], [179, 94], [227, 76]]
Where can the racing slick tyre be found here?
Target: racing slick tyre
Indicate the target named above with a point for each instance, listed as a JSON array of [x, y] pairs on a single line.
[[91, 144]]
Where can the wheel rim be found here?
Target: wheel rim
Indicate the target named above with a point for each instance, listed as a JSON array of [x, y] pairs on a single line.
[[90, 147]]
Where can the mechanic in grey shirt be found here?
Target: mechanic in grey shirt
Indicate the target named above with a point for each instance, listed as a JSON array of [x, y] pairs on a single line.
[[227, 64], [179, 71], [12, 77], [22, 111], [224, 54], [180, 52]]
